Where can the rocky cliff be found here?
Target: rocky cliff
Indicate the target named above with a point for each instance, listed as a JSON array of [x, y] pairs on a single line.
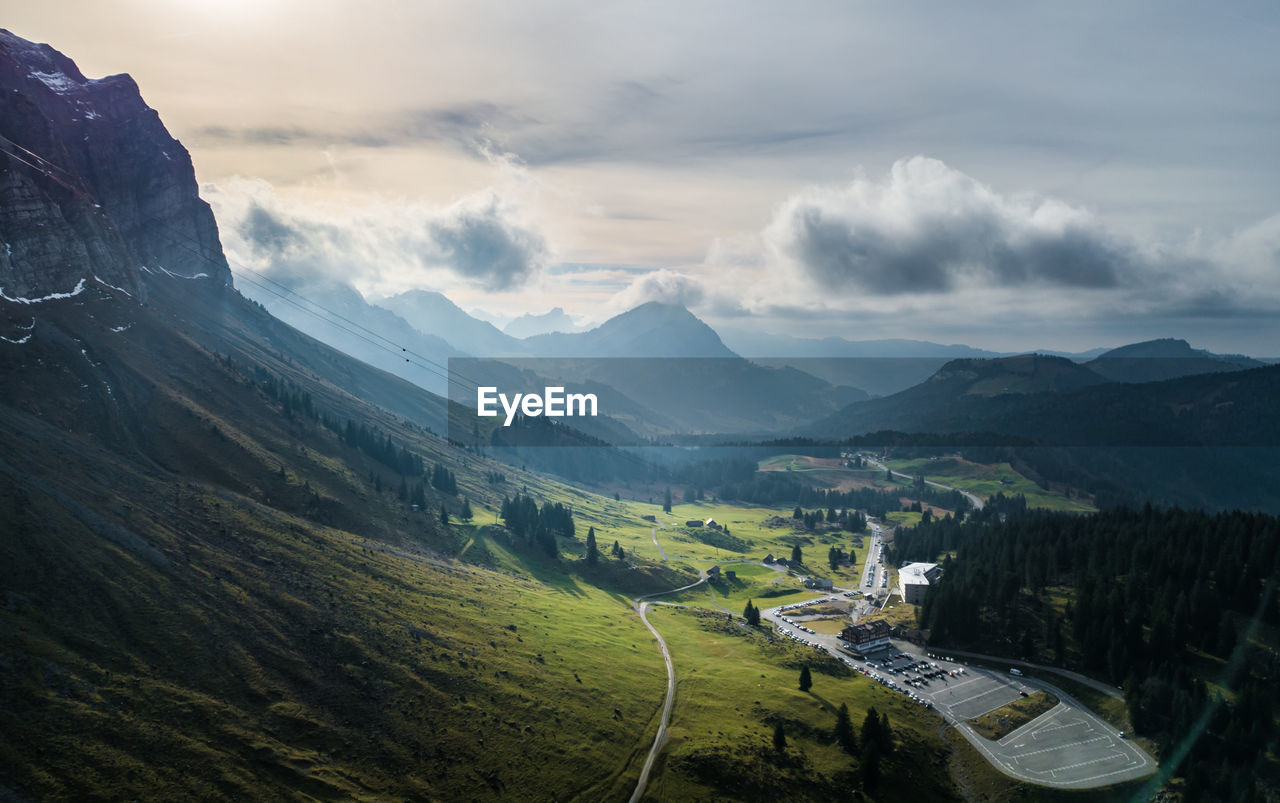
[[91, 182]]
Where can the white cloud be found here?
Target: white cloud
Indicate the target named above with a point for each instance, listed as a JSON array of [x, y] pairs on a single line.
[[664, 286]]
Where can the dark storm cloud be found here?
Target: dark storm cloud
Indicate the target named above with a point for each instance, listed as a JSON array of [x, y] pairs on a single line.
[[267, 232], [927, 228], [479, 238], [478, 242]]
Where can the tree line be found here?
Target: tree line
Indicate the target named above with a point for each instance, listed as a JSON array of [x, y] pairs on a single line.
[[1154, 596]]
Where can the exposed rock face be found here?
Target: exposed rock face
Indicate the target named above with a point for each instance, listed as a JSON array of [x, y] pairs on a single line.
[[91, 182]]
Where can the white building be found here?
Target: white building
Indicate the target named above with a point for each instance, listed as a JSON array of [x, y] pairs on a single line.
[[914, 580]]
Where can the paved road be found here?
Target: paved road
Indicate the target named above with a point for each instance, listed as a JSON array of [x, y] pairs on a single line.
[[869, 568], [873, 570], [1068, 747], [1110, 691]]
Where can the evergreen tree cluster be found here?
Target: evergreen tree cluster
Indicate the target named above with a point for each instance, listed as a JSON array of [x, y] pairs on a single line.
[[540, 526], [444, 480], [751, 613], [779, 488], [836, 556], [379, 446], [1148, 588], [294, 401]]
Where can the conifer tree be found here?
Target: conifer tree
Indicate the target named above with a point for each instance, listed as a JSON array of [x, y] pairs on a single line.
[[844, 730]]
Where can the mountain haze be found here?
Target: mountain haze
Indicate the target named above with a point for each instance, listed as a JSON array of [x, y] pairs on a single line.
[[337, 314], [434, 314], [649, 330], [1167, 358], [529, 324]]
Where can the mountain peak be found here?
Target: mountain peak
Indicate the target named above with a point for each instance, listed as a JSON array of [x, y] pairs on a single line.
[[434, 313], [658, 309], [528, 325], [652, 329], [99, 186]]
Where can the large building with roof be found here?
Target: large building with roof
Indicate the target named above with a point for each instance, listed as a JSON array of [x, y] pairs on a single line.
[[914, 580], [866, 637]]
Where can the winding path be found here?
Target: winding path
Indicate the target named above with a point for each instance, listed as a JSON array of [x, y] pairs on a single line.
[[642, 607], [654, 532]]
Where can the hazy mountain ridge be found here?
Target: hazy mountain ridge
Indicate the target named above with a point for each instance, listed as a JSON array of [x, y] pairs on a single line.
[[1053, 400], [1166, 358], [530, 324], [649, 330], [337, 314], [1207, 440], [434, 314]]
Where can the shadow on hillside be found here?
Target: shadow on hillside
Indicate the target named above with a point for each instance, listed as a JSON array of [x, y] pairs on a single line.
[[553, 574]]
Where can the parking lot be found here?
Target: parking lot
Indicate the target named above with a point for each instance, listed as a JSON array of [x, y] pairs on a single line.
[[1066, 747]]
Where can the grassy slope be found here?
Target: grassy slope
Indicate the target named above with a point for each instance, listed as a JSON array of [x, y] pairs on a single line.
[[985, 480], [274, 657], [734, 685], [205, 597]]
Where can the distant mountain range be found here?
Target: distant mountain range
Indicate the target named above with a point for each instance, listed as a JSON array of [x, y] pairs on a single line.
[[528, 325], [755, 343], [433, 313], [337, 314], [1056, 401], [788, 381]]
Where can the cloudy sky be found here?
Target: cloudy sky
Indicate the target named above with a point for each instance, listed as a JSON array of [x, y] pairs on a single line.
[[1031, 175]]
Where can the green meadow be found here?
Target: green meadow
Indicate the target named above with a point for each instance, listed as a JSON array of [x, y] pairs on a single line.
[[987, 480], [734, 684]]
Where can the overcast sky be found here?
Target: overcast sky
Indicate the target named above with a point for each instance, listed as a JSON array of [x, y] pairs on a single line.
[[1031, 175]]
